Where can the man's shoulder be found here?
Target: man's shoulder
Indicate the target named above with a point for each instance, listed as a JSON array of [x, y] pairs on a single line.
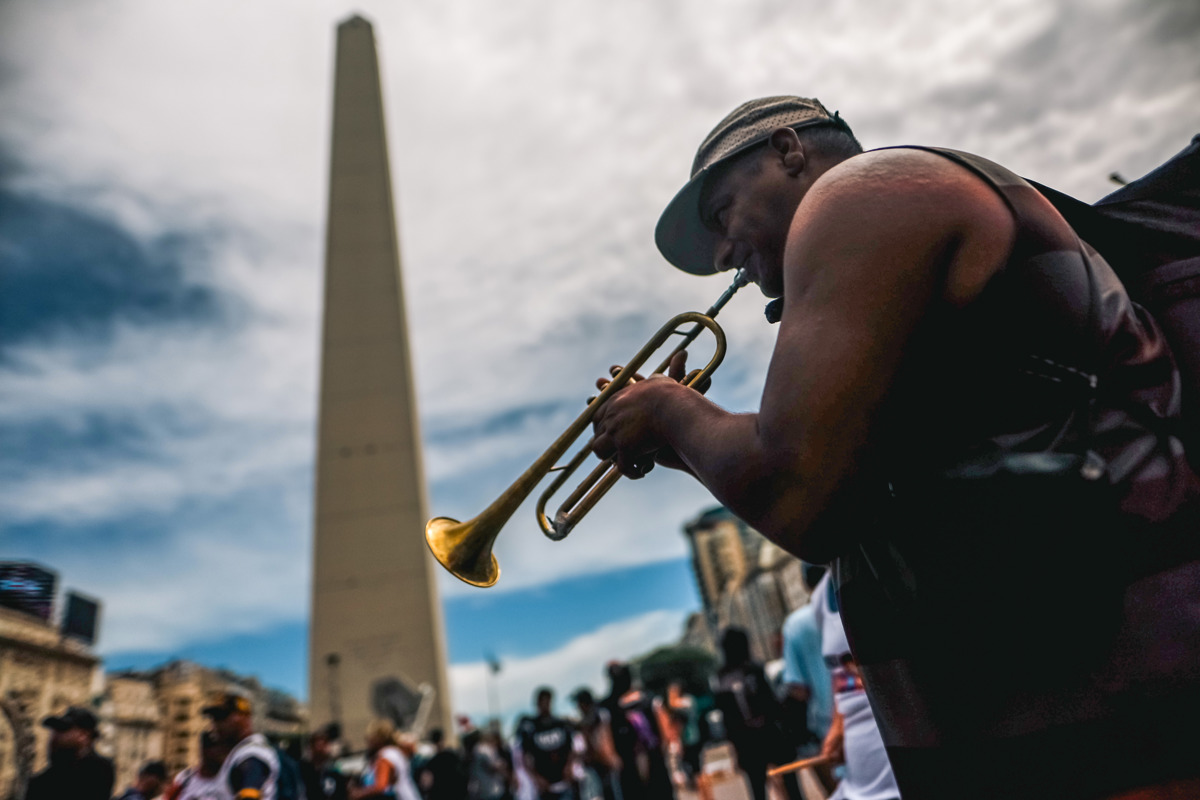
[[908, 210], [254, 748], [895, 172]]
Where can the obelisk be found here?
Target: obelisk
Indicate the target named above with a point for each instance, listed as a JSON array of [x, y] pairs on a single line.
[[376, 617]]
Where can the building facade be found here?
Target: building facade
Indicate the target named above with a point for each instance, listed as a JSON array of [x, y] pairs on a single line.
[[177, 693], [41, 673], [131, 725], [744, 580]]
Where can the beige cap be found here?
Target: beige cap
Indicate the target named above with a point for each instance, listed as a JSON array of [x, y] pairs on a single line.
[[680, 234]]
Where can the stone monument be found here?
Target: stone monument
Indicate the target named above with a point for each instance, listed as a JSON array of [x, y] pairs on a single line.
[[376, 637]]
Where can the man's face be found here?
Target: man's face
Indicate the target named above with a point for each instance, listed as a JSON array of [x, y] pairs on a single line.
[[320, 748], [232, 727], [72, 740], [150, 785], [749, 203], [544, 701]]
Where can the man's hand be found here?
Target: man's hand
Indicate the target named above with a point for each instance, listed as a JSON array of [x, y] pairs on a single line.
[[626, 425], [632, 435]]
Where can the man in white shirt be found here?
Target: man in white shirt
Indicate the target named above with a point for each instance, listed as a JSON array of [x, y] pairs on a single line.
[[853, 736], [251, 770]]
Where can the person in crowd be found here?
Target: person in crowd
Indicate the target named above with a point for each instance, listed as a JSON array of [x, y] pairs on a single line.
[[637, 736], [547, 747], [750, 710], [684, 715], [388, 773], [808, 686], [442, 776], [75, 771], [200, 782], [853, 738], [151, 780], [320, 775], [601, 763], [251, 770], [808, 703], [488, 777]]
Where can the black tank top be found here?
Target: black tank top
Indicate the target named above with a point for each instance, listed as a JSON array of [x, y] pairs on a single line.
[[1025, 607]]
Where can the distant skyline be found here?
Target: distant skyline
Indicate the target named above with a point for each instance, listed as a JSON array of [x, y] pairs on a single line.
[[162, 198]]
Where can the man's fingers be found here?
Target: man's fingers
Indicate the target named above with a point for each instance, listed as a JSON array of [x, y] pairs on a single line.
[[678, 366], [616, 368], [634, 467], [603, 445]]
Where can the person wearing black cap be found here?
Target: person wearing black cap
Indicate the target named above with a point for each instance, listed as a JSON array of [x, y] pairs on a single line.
[[76, 770], [961, 392], [251, 770], [151, 780]]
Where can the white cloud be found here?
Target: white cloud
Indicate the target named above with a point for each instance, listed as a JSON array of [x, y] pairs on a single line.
[[533, 146], [579, 662]]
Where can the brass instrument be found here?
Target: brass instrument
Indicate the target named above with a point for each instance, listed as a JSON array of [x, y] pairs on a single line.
[[465, 548]]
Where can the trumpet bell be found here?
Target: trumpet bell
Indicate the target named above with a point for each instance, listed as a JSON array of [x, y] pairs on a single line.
[[464, 549]]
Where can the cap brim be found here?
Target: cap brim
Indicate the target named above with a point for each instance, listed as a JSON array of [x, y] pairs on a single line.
[[57, 724], [681, 236]]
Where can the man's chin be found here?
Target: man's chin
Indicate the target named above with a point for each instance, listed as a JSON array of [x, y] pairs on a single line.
[[768, 291]]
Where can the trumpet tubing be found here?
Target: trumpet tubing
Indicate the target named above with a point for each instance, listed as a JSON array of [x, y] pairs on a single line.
[[465, 548]]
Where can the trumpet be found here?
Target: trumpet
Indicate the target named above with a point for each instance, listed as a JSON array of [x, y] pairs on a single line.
[[465, 548]]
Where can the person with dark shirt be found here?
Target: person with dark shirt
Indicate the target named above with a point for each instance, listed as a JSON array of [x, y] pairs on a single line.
[[443, 776], [322, 780], [751, 711], [546, 747], [488, 775], [75, 770], [637, 737], [151, 779], [599, 754]]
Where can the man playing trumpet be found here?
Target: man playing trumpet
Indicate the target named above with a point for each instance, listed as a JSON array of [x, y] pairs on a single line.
[[966, 414]]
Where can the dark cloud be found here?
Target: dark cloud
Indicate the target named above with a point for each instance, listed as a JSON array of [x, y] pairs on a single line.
[[94, 437], [65, 270], [1175, 21]]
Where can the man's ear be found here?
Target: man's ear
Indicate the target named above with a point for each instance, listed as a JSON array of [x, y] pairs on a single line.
[[787, 145]]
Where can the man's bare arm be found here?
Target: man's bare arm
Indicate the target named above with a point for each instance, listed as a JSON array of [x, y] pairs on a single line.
[[875, 242]]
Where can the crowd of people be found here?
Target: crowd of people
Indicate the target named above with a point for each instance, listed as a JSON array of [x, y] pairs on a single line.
[[633, 743]]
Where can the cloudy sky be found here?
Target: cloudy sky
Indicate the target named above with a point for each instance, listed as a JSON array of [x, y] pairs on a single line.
[[162, 192]]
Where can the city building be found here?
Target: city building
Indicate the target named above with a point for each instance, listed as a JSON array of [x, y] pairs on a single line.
[[131, 725], [42, 672], [744, 580], [179, 691], [376, 641]]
